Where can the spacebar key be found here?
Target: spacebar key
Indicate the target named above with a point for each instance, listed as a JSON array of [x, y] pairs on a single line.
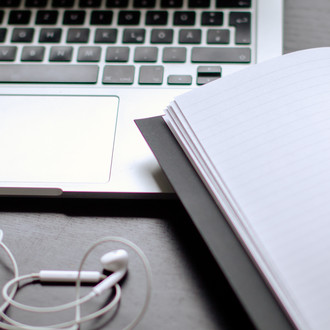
[[60, 74]]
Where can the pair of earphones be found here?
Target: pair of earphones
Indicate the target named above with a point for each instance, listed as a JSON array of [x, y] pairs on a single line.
[[115, 262]]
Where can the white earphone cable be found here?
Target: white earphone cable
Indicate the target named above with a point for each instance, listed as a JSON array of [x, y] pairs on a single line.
[[73, 324], [5, 305], [65, 325], [35, 309], [146, 266]]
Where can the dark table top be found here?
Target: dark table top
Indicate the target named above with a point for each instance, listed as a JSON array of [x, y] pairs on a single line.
[[189, 290]]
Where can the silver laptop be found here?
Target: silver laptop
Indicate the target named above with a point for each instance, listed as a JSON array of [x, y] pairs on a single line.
[[74, 74]]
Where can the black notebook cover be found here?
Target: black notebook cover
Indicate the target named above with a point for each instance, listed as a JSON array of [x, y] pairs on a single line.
[[244, 277]]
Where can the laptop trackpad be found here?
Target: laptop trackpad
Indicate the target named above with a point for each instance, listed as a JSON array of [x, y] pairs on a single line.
[[57, 138]]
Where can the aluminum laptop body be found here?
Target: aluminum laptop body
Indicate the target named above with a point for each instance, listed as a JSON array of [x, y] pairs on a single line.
[[75, 74]]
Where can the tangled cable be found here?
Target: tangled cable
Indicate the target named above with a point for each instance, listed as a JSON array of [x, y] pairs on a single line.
[[114, 261]]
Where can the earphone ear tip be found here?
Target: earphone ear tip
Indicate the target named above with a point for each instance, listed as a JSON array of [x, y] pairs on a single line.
[[115, 260], [115, 255]]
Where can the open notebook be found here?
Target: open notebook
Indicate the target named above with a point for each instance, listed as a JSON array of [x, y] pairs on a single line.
[[260, 141]]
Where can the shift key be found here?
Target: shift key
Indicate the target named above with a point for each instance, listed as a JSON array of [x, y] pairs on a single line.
[[221, 55]]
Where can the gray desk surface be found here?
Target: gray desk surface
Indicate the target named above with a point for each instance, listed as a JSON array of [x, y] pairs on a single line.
[[189, 291]]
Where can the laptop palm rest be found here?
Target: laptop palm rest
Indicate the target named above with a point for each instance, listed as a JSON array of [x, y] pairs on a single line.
[[57, 139]]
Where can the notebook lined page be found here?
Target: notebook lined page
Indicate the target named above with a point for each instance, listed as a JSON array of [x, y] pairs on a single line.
[[264, 134]]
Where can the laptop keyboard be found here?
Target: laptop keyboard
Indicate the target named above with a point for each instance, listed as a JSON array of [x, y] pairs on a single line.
[[124, 42]]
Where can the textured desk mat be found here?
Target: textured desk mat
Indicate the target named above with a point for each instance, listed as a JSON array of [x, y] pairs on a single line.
[[249, 286]]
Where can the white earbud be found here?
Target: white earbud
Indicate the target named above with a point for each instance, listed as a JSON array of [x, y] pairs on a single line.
[[1, 235], [116, 262]]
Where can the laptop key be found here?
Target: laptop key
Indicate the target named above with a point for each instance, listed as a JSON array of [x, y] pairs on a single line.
[[221, 55], [199, 3], [242, 22], [101, 17], [77, 36], [134, 36], [60, 54], [190, 36], [161, 36], [10, 3], [174, 54], [144, 3], [216, 36], [62, 3], [117, 54], [212, 18], [117, 3], [156, 17], [105, 36], [3, 33], [1, 15], [22, 35], [184, 18], [42, 73], [206, 74], [233, 4], [146, 54], [46, 17], [171, 3], [118, 74], [89, 3], [89, 54], [19, 17], [8, 53], [129, 17], [151, 75], [179, 79], [50, 35], [74, 17], [204, 80], [33, 53], [36, 3]]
